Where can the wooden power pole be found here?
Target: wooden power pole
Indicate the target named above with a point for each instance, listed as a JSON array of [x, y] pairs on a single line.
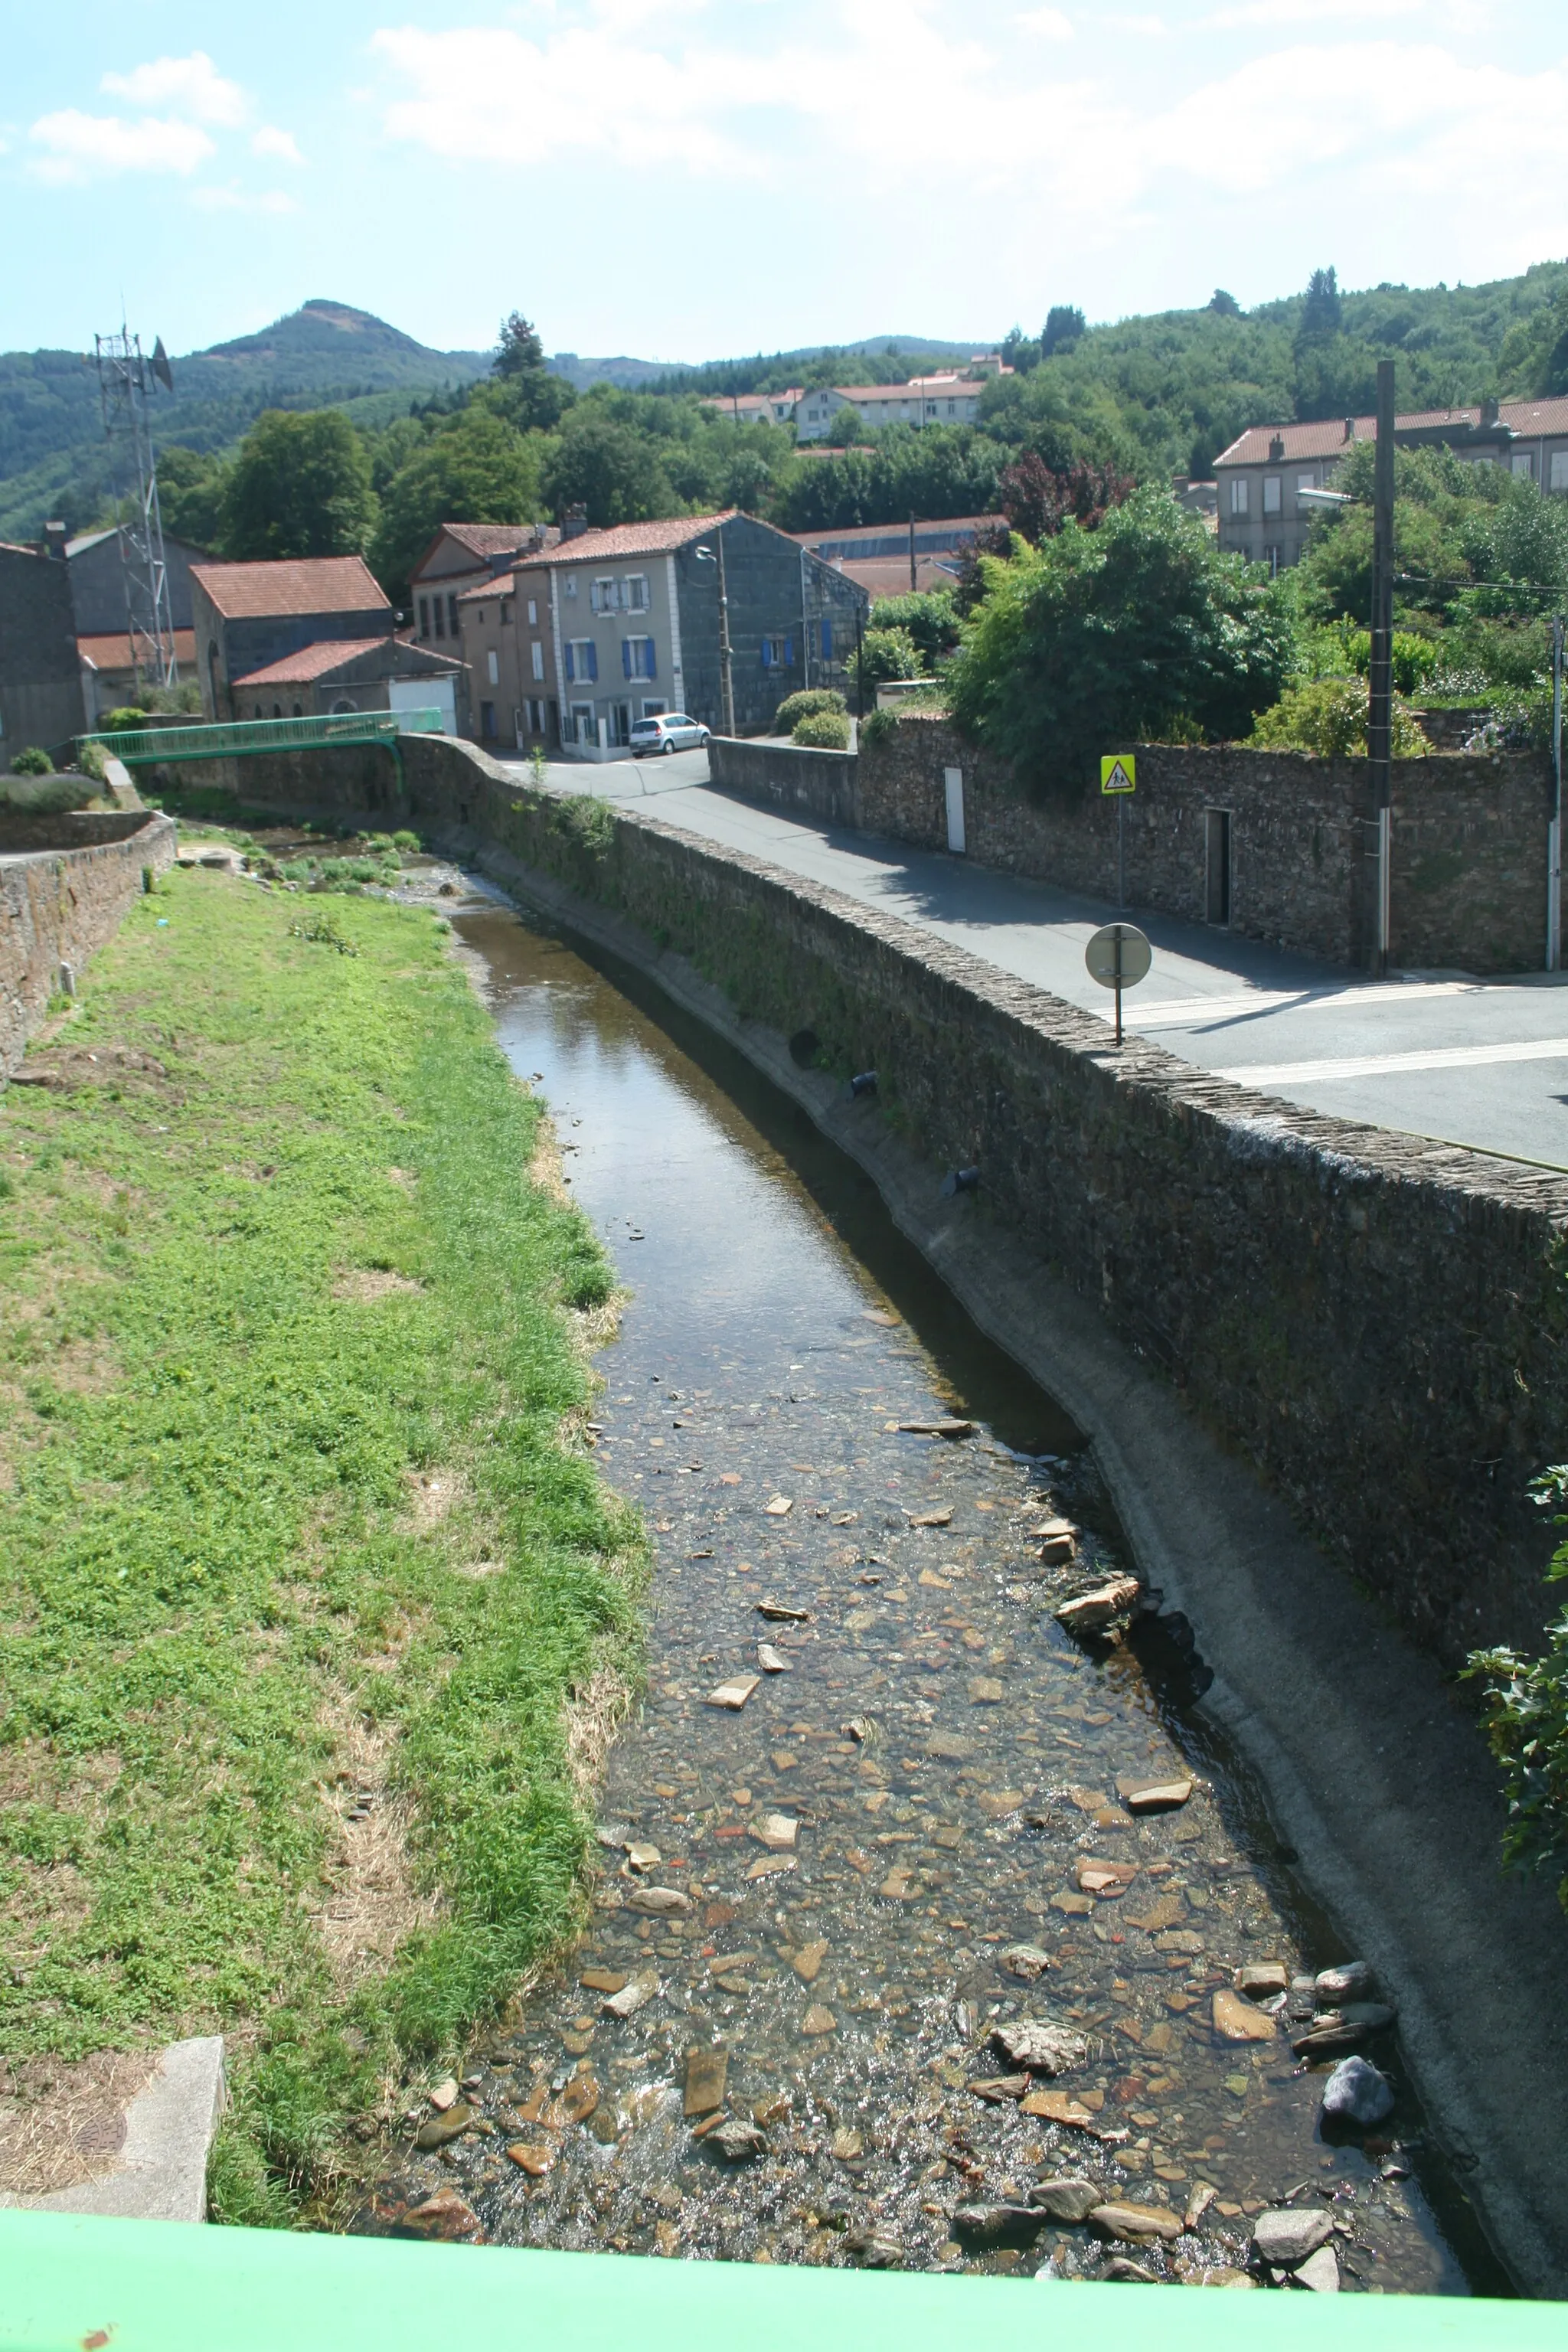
[[1380, 699]]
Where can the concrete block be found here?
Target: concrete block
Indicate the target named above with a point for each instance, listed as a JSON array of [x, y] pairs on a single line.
[[161, 2171]]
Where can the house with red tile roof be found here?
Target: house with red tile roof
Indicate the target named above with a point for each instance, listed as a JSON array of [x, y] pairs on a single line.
[[1263, 474], [460, 556], [581, 639], [341, 674], [247, 615]]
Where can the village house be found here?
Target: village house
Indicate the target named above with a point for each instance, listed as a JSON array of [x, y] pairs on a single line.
[[580, 640], [1263, 474], [335, 676], [464, 555]]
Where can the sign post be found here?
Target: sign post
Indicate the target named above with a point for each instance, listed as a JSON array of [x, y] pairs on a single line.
[[1119, 774], [1118, 956]]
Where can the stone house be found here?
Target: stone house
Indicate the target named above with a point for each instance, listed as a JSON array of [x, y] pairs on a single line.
[[41, 677], [464, 555], [340, 675], [580, 640], [249, 615], [1261, 476], [98, 578]]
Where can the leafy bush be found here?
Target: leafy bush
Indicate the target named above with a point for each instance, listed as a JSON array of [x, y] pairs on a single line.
[[805, 705], [117, 722], [31, 794], [408, 843], [32, 762], [1109, 635], [885, 655], [823, 731], [930, 614], [92, 760], [1524, 1714], [876, 728], [1328, 715], [1415, 659]]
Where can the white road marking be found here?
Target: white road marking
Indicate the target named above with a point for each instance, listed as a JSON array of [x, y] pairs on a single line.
[[1373, 1066]]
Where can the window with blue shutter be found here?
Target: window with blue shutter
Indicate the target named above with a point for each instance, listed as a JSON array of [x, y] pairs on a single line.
[[767, 653], [571, 671], [627, 670], [652, 667], [591, 650], [789, 653]]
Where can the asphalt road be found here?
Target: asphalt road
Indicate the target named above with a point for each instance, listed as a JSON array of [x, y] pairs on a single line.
[[1481, 1062]]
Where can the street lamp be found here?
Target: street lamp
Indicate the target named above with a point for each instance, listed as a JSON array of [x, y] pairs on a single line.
[[706, 555]]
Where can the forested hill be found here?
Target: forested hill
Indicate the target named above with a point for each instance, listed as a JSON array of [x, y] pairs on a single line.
[[326, 354]]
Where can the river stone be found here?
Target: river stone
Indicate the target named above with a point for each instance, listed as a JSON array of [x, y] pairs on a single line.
[[1043, 2049], [997, 2089], [1261, 1979], [1066, 2199], [445, 2217], [659, 1902], [1128, 2273], [1285, 2237], [1237, 2019], [705, 2072], [1025, 1961], [736, 2140], [630, 1998], [1320, 2271], [1092, 1611], [1357, 2093], [1136, 2223], [1141, 1794], [1353, 1980], [442, 2128], [733, 1694], [996, 2225], [1341, 2029]]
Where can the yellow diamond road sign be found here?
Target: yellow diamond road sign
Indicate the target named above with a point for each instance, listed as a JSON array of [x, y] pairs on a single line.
[[1117, 773]]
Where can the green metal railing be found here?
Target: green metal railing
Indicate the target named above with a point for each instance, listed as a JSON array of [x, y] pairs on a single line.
[[144, 746], [69, 2283]]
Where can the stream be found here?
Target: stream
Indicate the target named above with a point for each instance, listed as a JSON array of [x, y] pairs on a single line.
[[923, 1822]]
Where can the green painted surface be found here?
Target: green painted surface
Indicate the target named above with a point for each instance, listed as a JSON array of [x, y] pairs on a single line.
[[141, 746], [69, 2283]]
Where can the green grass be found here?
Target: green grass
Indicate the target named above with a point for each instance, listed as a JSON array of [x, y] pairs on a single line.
[[249, 1308]]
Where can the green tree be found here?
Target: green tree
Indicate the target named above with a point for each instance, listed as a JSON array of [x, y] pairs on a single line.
[[607, 468], [525, 392], [1224, 305], [301, 486], [1064, 327], [191, 487], [1322, 312], [1097, 637], [929, 616], [479, 469], [885, 654]]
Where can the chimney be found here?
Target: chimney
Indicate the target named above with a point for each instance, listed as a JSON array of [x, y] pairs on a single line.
[[574, 522], [55, 535], [1350, 428], [1489, 413], [1277, 447]]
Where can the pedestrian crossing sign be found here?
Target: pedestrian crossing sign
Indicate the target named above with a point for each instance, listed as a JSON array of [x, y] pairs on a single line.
[[1117, 773]]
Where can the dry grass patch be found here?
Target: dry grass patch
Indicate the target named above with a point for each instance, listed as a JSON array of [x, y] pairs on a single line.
[[62, 2125], [365, 1283]]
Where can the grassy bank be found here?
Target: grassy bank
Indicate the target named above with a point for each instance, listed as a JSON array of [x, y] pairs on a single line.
[[311, 1602]]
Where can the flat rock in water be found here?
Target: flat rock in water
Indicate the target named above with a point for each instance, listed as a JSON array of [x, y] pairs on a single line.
[[1342, 2028], [1091, 1612], [660, 1903], [997, 2225], [1164, 1912], [875, 2252], [633, 1996], [779, 1507], [807, 1960], [937, 1428], [1120, 2270], [1027, 1960], [1320, 2271], [444, 2127], [444, 2095], [1285, 2237], [819, 2019], [580, 2098], [771, 1660], [1043, 2049], [736, 2140], [603, 1980], [1107, 1879], [942, 1518], [1146, 1796], [997, 2089], [1137, 2223], [780, 1613], [733, 1694], [1058, 2107], [996, 1803], [705, 2074], [1237, 2021], [1056, 1550], [949, 1747], [1357, 2093], [1067, 2199], [770, 1865], [445, 2217], [643, 1857], [534, 2160], [985, 1690], [1351, 1980], [777, 1831], [1261, 1979]]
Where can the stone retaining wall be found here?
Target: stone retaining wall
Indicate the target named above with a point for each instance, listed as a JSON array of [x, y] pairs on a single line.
[[1469, 885], [788, 776], [1377, 1321], [59, 906]]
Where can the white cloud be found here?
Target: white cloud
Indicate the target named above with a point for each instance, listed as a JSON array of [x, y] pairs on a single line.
[[1050, 24], [190, 85], [270, 141], [80, 146]]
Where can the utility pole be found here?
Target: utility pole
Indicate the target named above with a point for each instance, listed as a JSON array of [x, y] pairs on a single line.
[[727, 682], [914, 576], [1380, 699], [859, 668], [1554, 829]]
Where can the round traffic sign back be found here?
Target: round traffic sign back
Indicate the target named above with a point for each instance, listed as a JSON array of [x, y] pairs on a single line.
[[1118, 956]]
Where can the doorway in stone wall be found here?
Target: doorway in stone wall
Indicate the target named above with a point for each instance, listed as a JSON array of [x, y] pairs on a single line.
[[1217, 864]]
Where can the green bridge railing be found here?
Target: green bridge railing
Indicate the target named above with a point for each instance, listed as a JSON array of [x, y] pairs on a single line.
[[144, 746], [69, 2283]]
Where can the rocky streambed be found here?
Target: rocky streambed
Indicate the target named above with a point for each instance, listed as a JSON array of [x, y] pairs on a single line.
[[933, 1927]]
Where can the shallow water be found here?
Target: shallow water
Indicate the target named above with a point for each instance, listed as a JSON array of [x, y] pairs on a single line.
[[948, 1754]]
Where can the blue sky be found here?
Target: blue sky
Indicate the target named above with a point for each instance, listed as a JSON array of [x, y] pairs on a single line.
[[687, 178]]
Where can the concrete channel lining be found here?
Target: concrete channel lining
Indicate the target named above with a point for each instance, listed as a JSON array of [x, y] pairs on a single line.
[[1374, 1773], [161, 2171]]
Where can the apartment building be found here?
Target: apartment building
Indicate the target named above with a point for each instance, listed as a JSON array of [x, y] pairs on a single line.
[[464, 555], [1262, 475], [948, 397], [580, 640]]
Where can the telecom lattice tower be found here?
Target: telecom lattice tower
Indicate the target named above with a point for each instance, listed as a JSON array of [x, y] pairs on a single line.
[[126, 380]]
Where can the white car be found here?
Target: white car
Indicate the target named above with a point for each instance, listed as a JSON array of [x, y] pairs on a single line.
[[671, 730]]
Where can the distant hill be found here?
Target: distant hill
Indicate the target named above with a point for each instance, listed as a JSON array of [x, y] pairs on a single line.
[[633, 376], [324, 356]]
